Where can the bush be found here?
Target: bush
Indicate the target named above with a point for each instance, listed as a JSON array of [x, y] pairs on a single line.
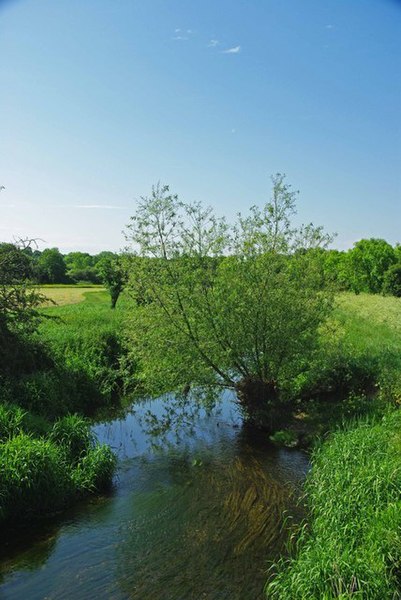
[[34, 478], [392, 281], [11, 421], [95, 470], [73, 433]]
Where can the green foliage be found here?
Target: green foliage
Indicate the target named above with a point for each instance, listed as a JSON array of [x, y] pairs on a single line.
[[95, 470], [112, 271], [351, 548], [392, 281], [81, 267], [225, 305], [34, 478], [73, 433], [85, 342], [369, 260], [43, 468], [19, 301], [284, 437], [50, 266], [11, 421]]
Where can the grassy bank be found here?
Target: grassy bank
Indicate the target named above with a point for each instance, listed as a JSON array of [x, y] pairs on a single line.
[[48, 457], [73, 362], [357, 370], [351, 547], [45, 467], [84, 340]]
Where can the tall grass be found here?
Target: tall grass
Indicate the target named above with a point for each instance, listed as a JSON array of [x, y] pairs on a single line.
[[352, 546], [42, 472], [85, 341]]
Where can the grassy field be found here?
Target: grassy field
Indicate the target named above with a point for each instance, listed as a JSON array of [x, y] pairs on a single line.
[[63, 295], [370, 321]]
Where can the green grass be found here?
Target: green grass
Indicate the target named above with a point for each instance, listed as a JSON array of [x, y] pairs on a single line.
[[69, 294], [42, 473], [85, 341], [352, 547], [372, 335]]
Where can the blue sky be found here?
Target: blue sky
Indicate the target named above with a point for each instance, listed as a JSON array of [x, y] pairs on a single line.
[[100, 99]]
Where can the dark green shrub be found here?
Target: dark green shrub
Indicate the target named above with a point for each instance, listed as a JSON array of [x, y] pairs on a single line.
[[392, 281], [73, 433], [11, 421], [34, 478], [95, 470]]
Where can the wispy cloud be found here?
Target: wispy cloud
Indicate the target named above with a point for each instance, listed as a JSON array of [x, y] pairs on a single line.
[[329, 26], [213, 43], [96, 206], [234, 50], [182, 34]]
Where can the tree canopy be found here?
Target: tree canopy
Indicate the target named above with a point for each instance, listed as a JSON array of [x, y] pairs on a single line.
[[235, 306], [19, 301]]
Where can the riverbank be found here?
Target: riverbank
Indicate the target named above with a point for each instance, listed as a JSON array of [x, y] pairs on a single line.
[[351, 545], [48, 457]]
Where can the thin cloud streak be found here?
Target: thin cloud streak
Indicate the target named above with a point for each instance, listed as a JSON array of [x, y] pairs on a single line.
[[96, 206], [234, 50], [213, 43]]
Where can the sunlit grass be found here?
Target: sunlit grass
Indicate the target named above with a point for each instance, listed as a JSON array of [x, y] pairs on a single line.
[[68, 294], [352, 548]]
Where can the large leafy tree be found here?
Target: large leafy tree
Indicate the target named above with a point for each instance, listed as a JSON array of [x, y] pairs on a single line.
[[51, 267], [226, 306], [369, 260]]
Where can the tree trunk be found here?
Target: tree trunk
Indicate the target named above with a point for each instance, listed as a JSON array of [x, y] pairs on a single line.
[[259, 401]]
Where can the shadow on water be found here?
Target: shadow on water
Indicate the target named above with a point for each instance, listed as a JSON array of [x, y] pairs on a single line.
[[197, 515]]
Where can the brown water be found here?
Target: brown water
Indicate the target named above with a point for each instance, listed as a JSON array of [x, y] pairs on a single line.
[[197, 514]]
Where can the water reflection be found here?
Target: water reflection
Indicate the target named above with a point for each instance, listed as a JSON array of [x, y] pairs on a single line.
[[197, 516]]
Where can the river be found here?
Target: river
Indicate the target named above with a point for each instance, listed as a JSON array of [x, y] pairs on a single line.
[[194, 514]]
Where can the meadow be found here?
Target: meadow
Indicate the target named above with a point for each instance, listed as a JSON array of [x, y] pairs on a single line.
[[349, 547], [62, 295]]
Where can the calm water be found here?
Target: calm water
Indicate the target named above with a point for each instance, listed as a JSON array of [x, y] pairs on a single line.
[[195, 515]]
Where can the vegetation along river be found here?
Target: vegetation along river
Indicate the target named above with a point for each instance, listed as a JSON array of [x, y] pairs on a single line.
[[195, 514]]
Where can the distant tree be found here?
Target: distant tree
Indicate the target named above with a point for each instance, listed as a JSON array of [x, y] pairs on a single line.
[[369, 259], [336, 269], [113, 273], [81, 267], [51, 267], [19, 300], [392, 280]]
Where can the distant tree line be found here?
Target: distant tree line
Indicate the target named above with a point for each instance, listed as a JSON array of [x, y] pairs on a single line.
[[372, 266], [51, 266]]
